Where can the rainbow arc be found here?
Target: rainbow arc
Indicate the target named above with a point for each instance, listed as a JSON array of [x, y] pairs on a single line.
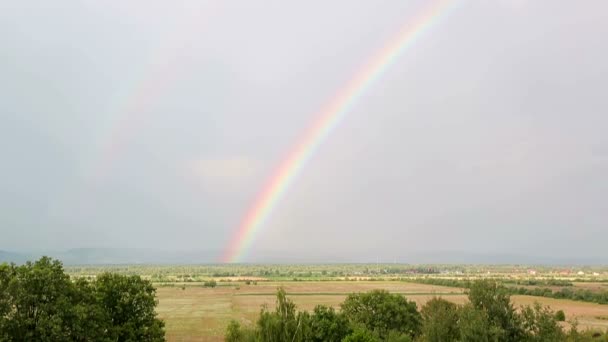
[[327, 120]]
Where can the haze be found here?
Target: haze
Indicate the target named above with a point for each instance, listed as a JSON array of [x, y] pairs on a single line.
[[154, 124]]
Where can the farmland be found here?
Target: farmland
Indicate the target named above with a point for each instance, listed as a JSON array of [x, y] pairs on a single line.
[[194, 312]]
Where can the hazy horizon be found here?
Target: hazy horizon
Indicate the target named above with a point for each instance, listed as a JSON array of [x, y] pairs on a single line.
[[151, 125]]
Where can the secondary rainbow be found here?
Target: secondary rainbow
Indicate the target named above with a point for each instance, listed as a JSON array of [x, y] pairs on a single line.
[[328, 118]]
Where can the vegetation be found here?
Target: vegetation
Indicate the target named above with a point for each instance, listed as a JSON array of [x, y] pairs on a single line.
[[440, 319], [42, 301], [381, 316], [383, 313], [583, 295], [39, 302], [210, 283], [566, 293]]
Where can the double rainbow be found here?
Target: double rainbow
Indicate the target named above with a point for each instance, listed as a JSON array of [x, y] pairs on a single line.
[[328, 119]]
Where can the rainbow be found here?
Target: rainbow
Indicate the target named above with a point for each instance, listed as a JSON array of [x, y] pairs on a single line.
[[132, 108], [328, 119]]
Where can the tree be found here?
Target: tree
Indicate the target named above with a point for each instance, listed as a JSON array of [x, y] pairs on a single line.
[[6, 274], [233, 332], [38, 298], [361, 334], [560, 316], [382, 312], [540, 324], [90, 321], [439, 320], [495, 301], [39, 302], [328, 325], [236, 333], [474, 325], [130, 302], [284, 324]]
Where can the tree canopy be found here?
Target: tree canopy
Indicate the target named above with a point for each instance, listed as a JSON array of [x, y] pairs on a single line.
[[378, 315], [39, 302]]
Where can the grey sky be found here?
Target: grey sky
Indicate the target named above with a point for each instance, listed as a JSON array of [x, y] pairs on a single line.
[[152, 124]]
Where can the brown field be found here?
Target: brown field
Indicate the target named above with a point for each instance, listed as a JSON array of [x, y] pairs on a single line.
[[592, 286], [201, 314]]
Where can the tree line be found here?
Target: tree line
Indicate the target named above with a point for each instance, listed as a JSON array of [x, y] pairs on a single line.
[[379, 315], [39, 302], [583, 295]]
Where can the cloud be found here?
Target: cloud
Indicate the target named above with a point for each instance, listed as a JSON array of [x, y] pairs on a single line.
[[224, 175]]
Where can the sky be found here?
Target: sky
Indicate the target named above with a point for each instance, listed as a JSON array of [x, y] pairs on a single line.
[[155, 124]]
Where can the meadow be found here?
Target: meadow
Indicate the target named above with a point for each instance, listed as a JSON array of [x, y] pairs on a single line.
[[195, 313]]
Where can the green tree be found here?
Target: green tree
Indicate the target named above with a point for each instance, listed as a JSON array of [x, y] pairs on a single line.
[[284, 324], [39, 302], [439, 320], [394, 336], [328, 325], [540, 324], [233, 332], [360, 334], [6, 275], [90, 322], [382, 312], [129, 301], [236, 333], [474, 326], [495, 301]]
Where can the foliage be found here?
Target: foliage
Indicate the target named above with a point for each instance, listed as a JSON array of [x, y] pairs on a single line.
[[130, 302], [474, 325], [380, 316], [493, 299], [583, 295], [210, 283], [39, 302], [361, 335], [560, 316], [328, 325], [440, 320], [540, 324], [383, 312], [236, 333], [566, 292]]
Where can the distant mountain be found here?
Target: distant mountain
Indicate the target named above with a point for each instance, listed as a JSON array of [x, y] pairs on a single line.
[[9, 257], [110, 256]]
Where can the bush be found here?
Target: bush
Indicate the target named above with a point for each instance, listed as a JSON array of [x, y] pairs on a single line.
[[210, 283], [560, 316]]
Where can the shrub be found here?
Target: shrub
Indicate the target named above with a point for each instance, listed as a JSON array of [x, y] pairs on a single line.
[[210, 283]]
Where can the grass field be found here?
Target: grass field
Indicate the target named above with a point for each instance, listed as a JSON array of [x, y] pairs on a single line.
[[201, 314]]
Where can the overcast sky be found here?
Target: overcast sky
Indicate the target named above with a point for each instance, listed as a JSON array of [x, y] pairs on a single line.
[[154, 124]]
